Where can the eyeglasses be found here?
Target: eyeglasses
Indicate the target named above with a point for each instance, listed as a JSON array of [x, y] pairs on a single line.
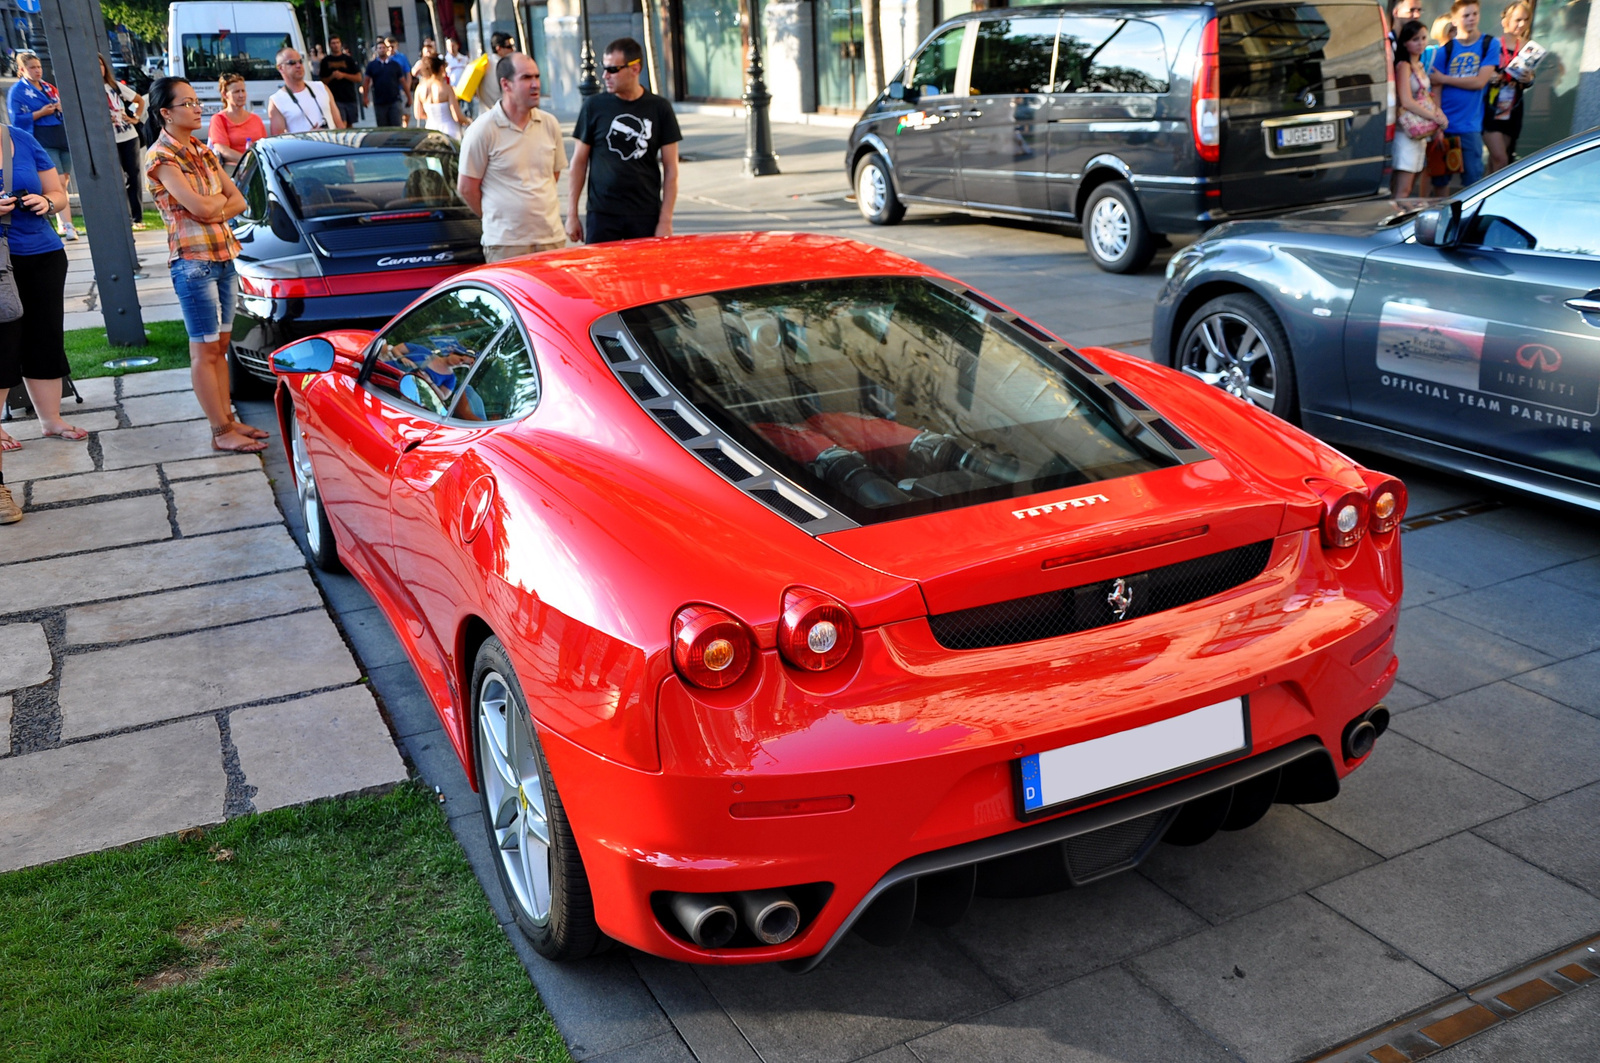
[[196, 104], [620, 69], [293, 62]]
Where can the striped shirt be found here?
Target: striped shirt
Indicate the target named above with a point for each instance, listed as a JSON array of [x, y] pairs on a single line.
[[187, 236]]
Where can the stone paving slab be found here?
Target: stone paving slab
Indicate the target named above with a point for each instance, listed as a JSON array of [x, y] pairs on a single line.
[[112, 791], [1574, 682], [192, 608], [1441, 655], [155, 443], [326, 745], [1559, 835], [167, 406], [1282, 982], [214, 505], [88, 527], [31, 429], [153, 383], [47, 457], [215, 465], [130, 685], [1464, 908], [24, 656], [93, 485], [146, 569], [5, 724]]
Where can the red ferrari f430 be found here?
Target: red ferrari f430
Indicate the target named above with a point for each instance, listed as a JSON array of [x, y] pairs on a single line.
[[772, 586]]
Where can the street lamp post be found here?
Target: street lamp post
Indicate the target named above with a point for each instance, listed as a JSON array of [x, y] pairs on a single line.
[[759, 160], [588, 85], [324, 5]]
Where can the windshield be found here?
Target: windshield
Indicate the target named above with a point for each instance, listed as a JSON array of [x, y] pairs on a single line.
[[207, 56], [890, 396], [373, 181]]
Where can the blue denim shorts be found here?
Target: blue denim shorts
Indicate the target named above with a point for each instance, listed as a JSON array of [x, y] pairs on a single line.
[[62, 158], [206, 292]]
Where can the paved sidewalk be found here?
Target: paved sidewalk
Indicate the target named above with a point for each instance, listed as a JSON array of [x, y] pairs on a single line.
[[165, 660]]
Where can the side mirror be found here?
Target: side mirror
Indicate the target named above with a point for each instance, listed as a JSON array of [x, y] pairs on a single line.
[[897, 90], [281, 224], [1439, 226], [314, 355]]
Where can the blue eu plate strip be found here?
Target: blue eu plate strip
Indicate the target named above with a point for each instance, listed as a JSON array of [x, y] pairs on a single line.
[[1032, 792]]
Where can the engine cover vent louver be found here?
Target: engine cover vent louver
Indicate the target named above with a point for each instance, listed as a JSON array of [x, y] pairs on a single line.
[[1063, 612], [680, 419]]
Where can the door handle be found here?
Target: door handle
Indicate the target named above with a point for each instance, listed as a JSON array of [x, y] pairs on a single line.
[[1585, 304], [411, 444], [976, 112], [948, 110]]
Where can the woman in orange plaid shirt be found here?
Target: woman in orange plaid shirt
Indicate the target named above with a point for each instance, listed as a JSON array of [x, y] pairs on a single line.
[[196, 199]]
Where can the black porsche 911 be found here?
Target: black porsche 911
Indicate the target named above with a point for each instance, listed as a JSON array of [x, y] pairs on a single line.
[[341, 229], [1464, 336]]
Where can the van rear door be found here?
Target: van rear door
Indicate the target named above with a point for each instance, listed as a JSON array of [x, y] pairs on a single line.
[[1304, 100]]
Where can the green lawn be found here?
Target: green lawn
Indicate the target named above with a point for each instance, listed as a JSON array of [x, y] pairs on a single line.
[[347, 930], [88, 351], [152, 218]]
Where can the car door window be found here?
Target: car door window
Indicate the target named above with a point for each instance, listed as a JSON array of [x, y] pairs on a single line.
[[1134, 59], [1555, 209], [503, 385], [1080, 40], [1012, 56], [423, 357], [933, 71], [252, 185]]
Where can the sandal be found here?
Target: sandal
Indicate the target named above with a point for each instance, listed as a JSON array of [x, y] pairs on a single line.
[[7, 443], [250, 446], [69, 432], [248, 431]]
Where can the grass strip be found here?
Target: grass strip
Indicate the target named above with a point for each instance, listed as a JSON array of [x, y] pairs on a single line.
[[88, 350], [349, 930]]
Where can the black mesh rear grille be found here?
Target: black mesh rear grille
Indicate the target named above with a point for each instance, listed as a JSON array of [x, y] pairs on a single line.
[[1044, 616], [724, 464], [1110, 849], [614, 350], [639, 385], [783, 505], [673, 422]]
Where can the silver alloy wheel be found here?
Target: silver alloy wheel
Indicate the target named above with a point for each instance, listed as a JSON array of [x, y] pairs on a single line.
[[1229, 352], [872, 190], [1110, 228], [514, 794], [305, 483]]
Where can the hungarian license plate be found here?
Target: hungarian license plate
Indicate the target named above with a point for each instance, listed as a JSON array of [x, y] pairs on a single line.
[[1100, 765], [1302, 136]]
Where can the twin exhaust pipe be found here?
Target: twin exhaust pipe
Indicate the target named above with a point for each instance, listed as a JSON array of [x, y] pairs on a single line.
[[712, 919], [1362, 732]]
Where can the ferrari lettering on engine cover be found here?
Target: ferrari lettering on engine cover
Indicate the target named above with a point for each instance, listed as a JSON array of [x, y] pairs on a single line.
[[1061, 506]]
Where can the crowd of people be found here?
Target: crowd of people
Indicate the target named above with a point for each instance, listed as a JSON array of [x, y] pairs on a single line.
[[1460, 94], [512, 157]]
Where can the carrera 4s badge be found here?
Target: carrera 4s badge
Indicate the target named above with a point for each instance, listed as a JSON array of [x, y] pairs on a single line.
[[1064, 504]]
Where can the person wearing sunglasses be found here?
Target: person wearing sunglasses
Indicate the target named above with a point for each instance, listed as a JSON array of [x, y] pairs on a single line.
[[627, 155], [300, 106]]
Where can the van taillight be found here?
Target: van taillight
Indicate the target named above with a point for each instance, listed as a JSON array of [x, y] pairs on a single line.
[[1206, 98]]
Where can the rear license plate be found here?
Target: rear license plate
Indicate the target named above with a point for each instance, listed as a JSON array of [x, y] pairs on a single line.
[[1100, 765], [1301, 136]]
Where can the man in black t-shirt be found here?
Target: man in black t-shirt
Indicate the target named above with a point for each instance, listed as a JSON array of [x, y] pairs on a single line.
[[339, 71], [628, 150], [384, 86]]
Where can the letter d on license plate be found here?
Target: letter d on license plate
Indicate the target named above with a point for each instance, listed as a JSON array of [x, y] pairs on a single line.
[[1109, 763]]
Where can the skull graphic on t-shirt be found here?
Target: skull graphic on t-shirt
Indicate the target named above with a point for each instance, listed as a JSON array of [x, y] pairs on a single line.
[[629, 136]]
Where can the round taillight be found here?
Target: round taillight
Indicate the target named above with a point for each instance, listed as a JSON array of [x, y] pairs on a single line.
[[1388, 507], [710, 647], [1345, 520], [815, 631]]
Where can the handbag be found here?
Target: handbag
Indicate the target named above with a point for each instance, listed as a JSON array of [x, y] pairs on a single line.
[[10, 298], [1417, 127]]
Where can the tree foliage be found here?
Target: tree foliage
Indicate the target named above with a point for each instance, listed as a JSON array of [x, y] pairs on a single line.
[[145, 19]]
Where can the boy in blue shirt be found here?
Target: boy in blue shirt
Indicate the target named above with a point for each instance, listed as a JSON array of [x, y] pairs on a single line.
[[1464, 68]]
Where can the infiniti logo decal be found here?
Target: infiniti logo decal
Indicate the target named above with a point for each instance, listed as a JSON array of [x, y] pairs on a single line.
[[1064, 504], [416, 260]]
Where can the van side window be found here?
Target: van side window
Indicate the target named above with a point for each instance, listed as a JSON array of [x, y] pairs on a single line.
[[1081, 39], [933, 71], [1012, 56], [1133, 60]]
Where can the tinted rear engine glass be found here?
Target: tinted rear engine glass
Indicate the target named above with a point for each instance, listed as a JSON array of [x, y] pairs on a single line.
[[369, 182], [889, 397], [1271, 56]]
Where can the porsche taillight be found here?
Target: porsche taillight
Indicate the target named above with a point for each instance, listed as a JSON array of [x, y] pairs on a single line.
[[1205, 99], [1386, 502], [710, 647], [815, 631], [1344, 514], [296, 277]]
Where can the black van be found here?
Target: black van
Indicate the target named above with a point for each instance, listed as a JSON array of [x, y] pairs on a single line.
[[1134, 118]]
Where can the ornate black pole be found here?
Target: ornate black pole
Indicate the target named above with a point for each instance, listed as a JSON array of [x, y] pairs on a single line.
[[759, 160], [588, 85]]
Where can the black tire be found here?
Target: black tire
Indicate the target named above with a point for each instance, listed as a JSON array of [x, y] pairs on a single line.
[[320, 542], [243, 384], [506, 745], [875, 195], [1217, 346], [1114, 230]]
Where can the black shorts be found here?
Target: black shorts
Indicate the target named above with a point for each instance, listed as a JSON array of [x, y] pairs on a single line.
[[603, 228], [32, 346]]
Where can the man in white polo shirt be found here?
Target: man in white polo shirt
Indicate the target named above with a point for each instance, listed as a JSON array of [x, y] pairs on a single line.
[[511, 159]]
